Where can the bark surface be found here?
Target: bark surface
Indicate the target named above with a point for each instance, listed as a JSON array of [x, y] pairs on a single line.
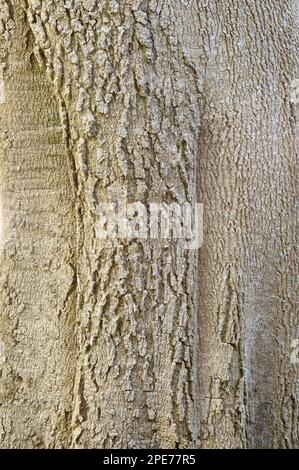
[[142, 343]]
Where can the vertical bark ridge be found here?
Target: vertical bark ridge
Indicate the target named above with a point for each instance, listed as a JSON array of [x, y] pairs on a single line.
[[246, 180], [130, 88], [37, 276]]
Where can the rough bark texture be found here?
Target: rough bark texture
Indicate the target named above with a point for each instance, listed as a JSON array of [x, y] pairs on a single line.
[[141, 343]]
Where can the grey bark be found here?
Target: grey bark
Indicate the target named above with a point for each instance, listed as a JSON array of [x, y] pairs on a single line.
[[140, 343]]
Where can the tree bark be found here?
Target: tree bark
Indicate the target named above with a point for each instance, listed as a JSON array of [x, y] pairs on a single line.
[[139, 343]]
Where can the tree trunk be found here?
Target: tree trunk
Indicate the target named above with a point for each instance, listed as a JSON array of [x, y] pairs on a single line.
[[134, 342]]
